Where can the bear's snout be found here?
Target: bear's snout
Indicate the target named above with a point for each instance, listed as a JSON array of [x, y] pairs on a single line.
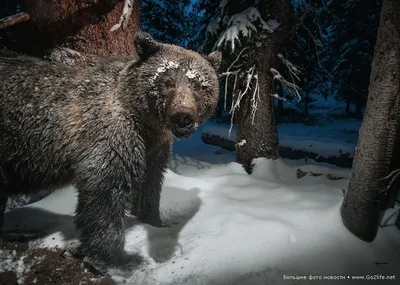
[[183, 124]]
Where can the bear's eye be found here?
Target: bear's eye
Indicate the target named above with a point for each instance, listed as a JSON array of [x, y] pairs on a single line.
[[198, 86], [169, 83], [203, 87]]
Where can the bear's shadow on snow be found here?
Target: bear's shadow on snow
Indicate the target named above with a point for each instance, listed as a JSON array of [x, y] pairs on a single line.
[[178, 160], [28, 223], [178, 207]]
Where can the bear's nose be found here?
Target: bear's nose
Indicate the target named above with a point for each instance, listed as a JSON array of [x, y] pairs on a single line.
[[183, 121]]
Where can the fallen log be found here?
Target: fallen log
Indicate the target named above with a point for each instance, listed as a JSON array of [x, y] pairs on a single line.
[[284, 152], [218, 141], [14, 19]]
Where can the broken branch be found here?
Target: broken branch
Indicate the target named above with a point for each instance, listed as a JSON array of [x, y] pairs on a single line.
[[126, 14], [14, 19]]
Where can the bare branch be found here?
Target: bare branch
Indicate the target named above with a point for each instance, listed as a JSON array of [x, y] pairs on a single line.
[[241, 143], [126, 14], [14, 19], [279, 97], [293, 69], [255, 99], [315, 42], [228, 73], [236, 104], [292, 88]]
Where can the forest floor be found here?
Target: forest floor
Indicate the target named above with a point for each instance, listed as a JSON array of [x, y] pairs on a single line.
[[20, 264]]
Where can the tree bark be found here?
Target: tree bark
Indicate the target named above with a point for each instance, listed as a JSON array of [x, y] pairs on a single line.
[[66, 29], [260, 136], [363, 200], [393, 186]]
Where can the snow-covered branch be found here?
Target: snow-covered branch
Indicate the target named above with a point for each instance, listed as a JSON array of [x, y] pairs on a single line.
[[229, 72], [293, 69], [250, 76], [126, 14], [292, 88], [244, 24], [278, 97], [255, 98]]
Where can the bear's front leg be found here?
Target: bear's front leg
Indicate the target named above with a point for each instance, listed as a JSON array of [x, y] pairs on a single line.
[[104, 183], [146, 204]]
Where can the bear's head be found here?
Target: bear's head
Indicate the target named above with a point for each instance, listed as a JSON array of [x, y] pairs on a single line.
[[180, 86]]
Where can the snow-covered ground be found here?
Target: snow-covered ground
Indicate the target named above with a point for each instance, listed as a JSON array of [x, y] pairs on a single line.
[[229, 227], [330, 137], [335, 139]]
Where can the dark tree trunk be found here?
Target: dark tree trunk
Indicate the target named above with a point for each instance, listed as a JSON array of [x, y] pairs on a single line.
[[347, 111], [359, 105], [363, 200], [59, 26], [306, 103], [393, 186], [220, 109], [260, 136]]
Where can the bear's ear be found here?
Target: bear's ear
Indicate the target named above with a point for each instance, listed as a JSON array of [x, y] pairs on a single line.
[[215, 59], [145, 45]]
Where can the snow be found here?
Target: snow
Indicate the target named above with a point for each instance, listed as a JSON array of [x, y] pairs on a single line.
[[243, 24], [164, 66], [10, 262], [228, 227]]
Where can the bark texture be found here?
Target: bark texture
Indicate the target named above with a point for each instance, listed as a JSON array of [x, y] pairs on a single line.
[[68, 29], [261, 136], [377, 138]]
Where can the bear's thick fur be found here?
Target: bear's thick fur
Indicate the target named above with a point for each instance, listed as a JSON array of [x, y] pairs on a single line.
[[106, 129]]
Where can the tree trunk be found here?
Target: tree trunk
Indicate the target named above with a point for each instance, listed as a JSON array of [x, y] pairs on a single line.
[[393, 186], [363, 200], [306, 103], [359, 105], [75, 31], [260, 138], [347, 111]]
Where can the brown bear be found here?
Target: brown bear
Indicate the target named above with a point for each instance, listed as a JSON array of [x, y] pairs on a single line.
[[106, 129]]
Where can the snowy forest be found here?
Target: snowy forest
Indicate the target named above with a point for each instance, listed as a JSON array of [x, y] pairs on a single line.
[[281, 165]]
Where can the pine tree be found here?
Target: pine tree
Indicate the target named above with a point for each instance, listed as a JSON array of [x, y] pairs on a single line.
[[250, 34], [308, 49], [379, 138], [167, 20], [355, 28]]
